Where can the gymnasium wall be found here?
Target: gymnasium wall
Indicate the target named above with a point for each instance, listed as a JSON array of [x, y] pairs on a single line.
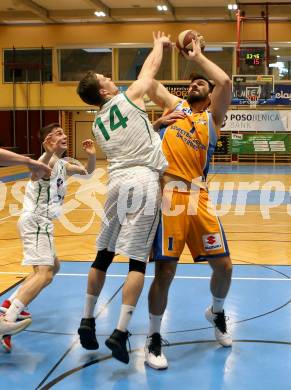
[[57, 95]]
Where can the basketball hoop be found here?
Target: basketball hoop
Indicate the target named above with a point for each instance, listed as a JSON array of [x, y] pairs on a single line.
[[253, 100], [253, 95]]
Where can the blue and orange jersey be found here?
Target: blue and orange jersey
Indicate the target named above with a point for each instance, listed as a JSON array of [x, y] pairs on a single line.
[[189, 143]]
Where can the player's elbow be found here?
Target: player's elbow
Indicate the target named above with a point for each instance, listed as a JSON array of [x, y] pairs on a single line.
[[226, 82]]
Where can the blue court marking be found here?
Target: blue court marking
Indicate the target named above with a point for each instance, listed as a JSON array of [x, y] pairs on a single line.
[[18, 176], [250, 169], [259, 358]]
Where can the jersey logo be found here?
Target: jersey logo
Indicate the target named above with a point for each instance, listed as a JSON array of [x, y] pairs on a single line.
[[212, 241]]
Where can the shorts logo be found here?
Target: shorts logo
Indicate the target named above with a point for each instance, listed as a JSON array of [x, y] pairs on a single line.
[[212, 242]]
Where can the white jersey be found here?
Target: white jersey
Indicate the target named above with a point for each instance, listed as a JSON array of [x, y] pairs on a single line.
[[126, 136], [44, 197]]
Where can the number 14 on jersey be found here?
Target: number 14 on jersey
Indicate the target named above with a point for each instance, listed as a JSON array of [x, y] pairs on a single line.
[[116, 120]]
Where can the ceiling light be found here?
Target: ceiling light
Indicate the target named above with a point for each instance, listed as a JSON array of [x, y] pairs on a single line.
[[162, 7], [276, 48], [100, 14], [232, 7]]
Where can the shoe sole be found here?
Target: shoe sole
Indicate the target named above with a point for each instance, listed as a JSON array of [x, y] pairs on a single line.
[[155, 367], [86, 334], [117, 352]]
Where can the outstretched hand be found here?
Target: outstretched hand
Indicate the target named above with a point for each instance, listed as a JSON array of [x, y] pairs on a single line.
[[196, 48], [38, 169], [89, 147], [49, 145], [161, 37]]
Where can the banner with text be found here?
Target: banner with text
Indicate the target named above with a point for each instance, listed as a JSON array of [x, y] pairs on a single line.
[[260, 143], [255, 120]]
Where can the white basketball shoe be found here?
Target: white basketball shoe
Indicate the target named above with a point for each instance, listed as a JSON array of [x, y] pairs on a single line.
[[154, 356], [218, 320]]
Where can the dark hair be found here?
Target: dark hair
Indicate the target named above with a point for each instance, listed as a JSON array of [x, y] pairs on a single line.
[[88, 89], [195, 76], [44, 131]]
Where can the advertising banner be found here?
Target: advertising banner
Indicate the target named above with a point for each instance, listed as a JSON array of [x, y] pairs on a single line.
[[283, 94], [260, 143], [255, 120]]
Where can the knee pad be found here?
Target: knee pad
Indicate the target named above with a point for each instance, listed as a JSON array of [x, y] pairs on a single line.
[[103, 260], [137, 265]]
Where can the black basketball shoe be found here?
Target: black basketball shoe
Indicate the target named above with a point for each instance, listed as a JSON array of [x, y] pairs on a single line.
[[117, 343], [87, 333]]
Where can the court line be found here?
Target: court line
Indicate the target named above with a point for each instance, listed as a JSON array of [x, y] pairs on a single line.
[[151, 276], [104, 358], [77, 339]]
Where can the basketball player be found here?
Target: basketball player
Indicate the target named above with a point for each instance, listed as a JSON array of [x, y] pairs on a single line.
[[39, 169], [42, 204], [188, 145], [133, 150]]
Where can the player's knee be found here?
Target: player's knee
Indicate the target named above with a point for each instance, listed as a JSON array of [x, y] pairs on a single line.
[[47, 277], [56, 267], [165, 273], [137, 266], [224, 266], [103, 260]]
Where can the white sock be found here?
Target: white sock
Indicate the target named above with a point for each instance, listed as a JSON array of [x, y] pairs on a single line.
[[16, 308], [155, 324], [126, 312], [13, 295], [217, 304], [90, 303]]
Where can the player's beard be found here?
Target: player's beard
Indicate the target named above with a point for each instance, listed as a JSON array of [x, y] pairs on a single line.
[[193, 98]]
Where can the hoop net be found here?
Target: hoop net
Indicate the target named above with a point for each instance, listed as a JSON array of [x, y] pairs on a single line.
[[253, 96]]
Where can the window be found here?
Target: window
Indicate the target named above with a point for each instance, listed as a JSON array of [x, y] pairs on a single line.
[[280, 62], [221, 56], [32, 65], [74, 63], [131, 61]]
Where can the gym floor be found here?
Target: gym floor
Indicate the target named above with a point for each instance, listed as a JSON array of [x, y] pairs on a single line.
[[48, 353]]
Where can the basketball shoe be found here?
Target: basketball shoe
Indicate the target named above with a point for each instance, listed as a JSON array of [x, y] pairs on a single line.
[[87, 333], [154, 356], [222, 335], [6, 343], [5, 306], [117, 343]]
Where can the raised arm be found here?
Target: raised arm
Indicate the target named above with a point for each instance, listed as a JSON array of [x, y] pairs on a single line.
[[221, 95], [74, 169], [161, 96], [140, 87], [8, 158]]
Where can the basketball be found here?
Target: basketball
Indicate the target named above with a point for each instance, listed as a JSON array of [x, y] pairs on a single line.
[[184, 41]]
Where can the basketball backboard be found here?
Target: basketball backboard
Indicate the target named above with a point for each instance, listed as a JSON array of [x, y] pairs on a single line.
[[252, 89]]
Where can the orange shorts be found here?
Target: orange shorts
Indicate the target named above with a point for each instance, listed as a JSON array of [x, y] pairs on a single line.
[[189, 218]]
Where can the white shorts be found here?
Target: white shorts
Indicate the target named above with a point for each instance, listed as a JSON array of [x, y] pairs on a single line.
[[36, 233], [131, 213]]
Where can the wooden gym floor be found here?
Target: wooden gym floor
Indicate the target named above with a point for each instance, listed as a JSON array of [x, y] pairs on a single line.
[[261, 235]]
